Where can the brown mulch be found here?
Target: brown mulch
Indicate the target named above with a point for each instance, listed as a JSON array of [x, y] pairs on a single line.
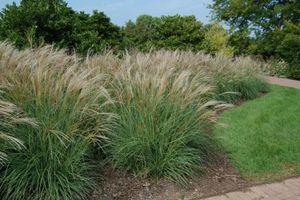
[[217, 178]]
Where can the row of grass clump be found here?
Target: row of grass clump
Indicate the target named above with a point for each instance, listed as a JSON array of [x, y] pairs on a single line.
[[149, 114]]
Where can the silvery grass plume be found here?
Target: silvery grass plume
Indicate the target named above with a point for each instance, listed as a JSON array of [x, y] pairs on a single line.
[[46, 76], [231, 78], [9, 118], [69, 103], [236, 79]]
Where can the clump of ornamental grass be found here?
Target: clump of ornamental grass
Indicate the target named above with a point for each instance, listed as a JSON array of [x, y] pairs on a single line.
[[236, 79], [10, 119], [275, 67], [162, 103], [163, 119], [232, 79], [66, 101]]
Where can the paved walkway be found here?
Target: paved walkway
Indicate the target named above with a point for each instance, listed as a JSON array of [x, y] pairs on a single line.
[[283, 82], [286, 190]]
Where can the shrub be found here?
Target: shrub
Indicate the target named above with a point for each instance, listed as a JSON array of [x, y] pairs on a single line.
[[65, 101]]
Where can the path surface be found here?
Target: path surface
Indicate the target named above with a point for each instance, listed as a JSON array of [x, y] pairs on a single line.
[[283, 82], [286, 190]]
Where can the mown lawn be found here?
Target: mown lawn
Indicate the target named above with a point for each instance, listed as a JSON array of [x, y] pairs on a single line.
[[262, 136]]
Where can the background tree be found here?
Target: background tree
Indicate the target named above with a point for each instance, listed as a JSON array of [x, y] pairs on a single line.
[[216, 39], [289, 49], [240, 41], [170, 32], [95, 33], [269, 24], [180, 32], [143, 33], [260, 16], [38, 21], [35, 22]]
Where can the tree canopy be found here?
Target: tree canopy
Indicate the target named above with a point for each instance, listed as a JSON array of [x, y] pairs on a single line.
[[38, 22], [172, 32], [258, 15], [264, 27], [35, 22]]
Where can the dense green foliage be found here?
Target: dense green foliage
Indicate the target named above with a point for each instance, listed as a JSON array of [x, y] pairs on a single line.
[[262, 136], [176, 32], [171, 32], [35, 22], [143, 33], [216, 39], [289, 49], [268, 28]]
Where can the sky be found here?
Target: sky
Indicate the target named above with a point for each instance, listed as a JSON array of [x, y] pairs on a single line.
[[120, 11]]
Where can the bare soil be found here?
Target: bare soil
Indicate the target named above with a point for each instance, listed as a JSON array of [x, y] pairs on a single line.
[[217, 178]]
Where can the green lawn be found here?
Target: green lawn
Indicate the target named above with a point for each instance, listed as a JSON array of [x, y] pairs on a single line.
[[262, 137]]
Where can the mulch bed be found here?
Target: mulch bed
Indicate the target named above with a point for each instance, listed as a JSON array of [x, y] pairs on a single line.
[[218, 178]]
